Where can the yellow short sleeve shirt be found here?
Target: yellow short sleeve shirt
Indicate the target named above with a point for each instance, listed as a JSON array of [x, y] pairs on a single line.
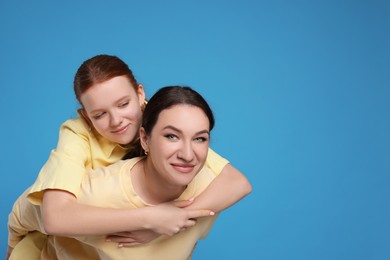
[[79, 149]]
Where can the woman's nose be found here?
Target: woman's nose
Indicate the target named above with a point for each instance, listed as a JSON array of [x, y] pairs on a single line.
[[186, 152]]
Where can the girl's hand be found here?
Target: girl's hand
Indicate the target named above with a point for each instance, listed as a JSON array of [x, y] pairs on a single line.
[[9, 251], [164, 219], [128, 239], [172, 217]]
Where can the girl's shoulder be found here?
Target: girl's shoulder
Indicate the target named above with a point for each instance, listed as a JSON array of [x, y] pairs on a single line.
[[77, 125]]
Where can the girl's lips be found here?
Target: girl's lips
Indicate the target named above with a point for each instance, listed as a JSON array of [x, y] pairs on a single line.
[[120, 130]]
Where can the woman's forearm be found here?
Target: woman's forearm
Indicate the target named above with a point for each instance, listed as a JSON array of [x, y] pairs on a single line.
[[226, 189]]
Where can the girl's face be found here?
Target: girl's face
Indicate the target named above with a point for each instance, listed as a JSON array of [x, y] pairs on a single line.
[[114, 109], [178, 145]]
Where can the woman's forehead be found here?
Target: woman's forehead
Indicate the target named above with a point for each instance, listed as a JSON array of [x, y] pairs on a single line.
[[184, 117]]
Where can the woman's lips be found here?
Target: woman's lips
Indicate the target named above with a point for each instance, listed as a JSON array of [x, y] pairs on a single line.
[[183, 168]]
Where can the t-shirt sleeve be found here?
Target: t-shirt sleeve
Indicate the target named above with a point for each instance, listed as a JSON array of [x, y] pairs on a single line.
[[215, 162], [207, 225], [66, 166], [24, 218]]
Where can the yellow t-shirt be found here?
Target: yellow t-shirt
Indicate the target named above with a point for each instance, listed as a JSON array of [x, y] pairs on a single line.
[[112, 187], [80, 149]]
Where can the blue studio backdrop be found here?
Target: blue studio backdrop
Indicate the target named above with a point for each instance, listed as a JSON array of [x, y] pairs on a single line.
[[300, 89]]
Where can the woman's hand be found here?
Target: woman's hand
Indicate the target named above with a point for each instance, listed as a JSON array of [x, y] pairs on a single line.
[[128, 239]]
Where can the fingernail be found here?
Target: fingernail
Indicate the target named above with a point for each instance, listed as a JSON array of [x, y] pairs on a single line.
[[212, 213], [108, 240], [120, 245], [191, 199]]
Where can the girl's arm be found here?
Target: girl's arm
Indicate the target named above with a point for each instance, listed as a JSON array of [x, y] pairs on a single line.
[[62, 215], [9, 251], [24, 217], [59, 181]]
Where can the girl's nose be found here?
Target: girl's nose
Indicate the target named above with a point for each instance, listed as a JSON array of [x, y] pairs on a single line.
[[116, 120]]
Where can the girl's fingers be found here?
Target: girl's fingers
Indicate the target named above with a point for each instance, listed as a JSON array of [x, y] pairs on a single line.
[[198, 213]]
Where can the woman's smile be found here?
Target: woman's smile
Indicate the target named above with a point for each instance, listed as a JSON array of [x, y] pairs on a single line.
[[183, 168]]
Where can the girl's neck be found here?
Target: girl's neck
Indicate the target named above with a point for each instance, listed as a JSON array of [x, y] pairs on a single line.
[[151, 187]]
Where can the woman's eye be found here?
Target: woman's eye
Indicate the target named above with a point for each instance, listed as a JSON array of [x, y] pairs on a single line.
[[201, 139], [171, 137]]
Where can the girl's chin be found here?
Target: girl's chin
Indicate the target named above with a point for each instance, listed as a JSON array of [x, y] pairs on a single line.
[[125, 140], [121, 141]]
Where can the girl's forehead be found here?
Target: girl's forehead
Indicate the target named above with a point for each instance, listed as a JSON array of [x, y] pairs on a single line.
[[107, 91]]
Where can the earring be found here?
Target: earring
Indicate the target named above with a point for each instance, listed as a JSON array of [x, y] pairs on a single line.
[[146, 152], [144, 105]]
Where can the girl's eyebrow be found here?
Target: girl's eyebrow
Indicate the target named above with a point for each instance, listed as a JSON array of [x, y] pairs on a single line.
[[179, 131], [117, 101]]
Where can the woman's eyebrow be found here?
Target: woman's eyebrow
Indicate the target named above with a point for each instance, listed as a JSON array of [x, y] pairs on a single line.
[[180, 131]]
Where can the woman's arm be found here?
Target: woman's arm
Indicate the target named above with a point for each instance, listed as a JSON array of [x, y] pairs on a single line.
[[62, 215], [226, 189]]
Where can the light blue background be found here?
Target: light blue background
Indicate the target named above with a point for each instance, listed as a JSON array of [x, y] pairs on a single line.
[[301, 92]]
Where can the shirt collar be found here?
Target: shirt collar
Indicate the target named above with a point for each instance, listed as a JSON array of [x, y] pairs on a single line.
[[108, 147]]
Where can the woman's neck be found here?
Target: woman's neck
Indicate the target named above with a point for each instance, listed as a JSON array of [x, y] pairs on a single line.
[[151, 187]]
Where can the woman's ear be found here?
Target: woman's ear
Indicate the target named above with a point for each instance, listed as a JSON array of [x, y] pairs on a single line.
[[143, 137]]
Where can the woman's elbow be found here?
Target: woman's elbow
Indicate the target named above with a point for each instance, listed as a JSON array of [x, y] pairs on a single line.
[[238, 180], [245, 185]]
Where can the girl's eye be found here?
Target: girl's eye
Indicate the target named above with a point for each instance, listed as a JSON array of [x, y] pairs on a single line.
[[124, 104], [98, 116], [171, 137]]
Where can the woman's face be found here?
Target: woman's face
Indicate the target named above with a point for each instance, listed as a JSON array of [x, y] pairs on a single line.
[[178, 144], [114, 109]]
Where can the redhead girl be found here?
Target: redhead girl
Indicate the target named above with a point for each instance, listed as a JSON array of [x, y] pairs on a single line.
[[107, 128]]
